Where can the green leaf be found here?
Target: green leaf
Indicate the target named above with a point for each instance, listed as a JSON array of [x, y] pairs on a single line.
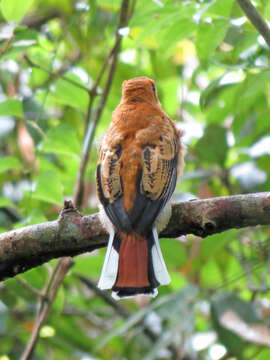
[[176, 32], [212, 244], [151, 15], [5, 202], [210, 275], [11, 107], [220, 8], [213, 147], [14, 10], [62, 139], [209, 36], [210, 94], [8, 163], [254, 85], [85, 265], [36, 277], [49, 187], [174, 252], [59, 301], [263, 162], [175, 20], [263, 355], [70, 94], [267, 12]]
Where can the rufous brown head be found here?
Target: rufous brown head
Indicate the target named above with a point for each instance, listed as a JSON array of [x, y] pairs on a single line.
[[140, 89]]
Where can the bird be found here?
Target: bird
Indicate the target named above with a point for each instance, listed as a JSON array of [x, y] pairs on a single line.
[[140, 159]]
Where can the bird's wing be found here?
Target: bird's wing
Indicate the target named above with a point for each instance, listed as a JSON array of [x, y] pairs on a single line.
[[108, 176], [155, 181], [160, 167], [160, 157], [109, 186]]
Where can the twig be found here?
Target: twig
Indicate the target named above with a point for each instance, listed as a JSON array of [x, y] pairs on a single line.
[[62, 270], [122, 311], [256, 19], [29, 287], [85, 314], [56, 74], [6, 45], [63, 69], [47, 288], [93, 92]]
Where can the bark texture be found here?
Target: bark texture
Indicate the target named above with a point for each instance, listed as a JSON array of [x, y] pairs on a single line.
[[73, 233]]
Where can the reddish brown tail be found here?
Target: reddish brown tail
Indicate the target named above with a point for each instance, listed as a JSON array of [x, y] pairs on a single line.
[[133, 265], [133, 262], [135, 268]]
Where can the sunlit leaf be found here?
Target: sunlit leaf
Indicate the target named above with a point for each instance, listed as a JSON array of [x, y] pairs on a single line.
[[212, 244], [212, 147], [219, 8], [14, 10], [11, 107], [210, 35], [5, 202], [49, 187], [61, 140], [8, 163], [69, 94], [59, 301]]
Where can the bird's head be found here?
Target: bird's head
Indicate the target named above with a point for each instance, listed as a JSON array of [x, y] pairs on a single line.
[[141, 89]]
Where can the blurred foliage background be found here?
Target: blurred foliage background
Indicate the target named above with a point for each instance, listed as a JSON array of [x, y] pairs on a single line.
[[212, 73]]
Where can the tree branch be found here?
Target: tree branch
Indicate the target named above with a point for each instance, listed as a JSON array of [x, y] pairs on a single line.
[[256, 19], [73, 233], [57, 74]]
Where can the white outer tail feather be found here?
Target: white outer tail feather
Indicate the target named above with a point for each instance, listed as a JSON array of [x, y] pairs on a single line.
[[160, 269], [110, 266]]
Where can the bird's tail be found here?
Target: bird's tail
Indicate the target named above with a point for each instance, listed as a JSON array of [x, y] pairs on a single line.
[[133, 265]]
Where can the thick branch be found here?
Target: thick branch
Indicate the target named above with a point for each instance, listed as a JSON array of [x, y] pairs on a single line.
[[256, 19], [73, 233]]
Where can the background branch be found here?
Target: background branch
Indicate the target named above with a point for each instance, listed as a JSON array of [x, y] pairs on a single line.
[[73, 233], [256, 19]]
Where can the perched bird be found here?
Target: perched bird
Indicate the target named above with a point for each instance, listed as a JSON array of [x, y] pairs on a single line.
[[140, 159]]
